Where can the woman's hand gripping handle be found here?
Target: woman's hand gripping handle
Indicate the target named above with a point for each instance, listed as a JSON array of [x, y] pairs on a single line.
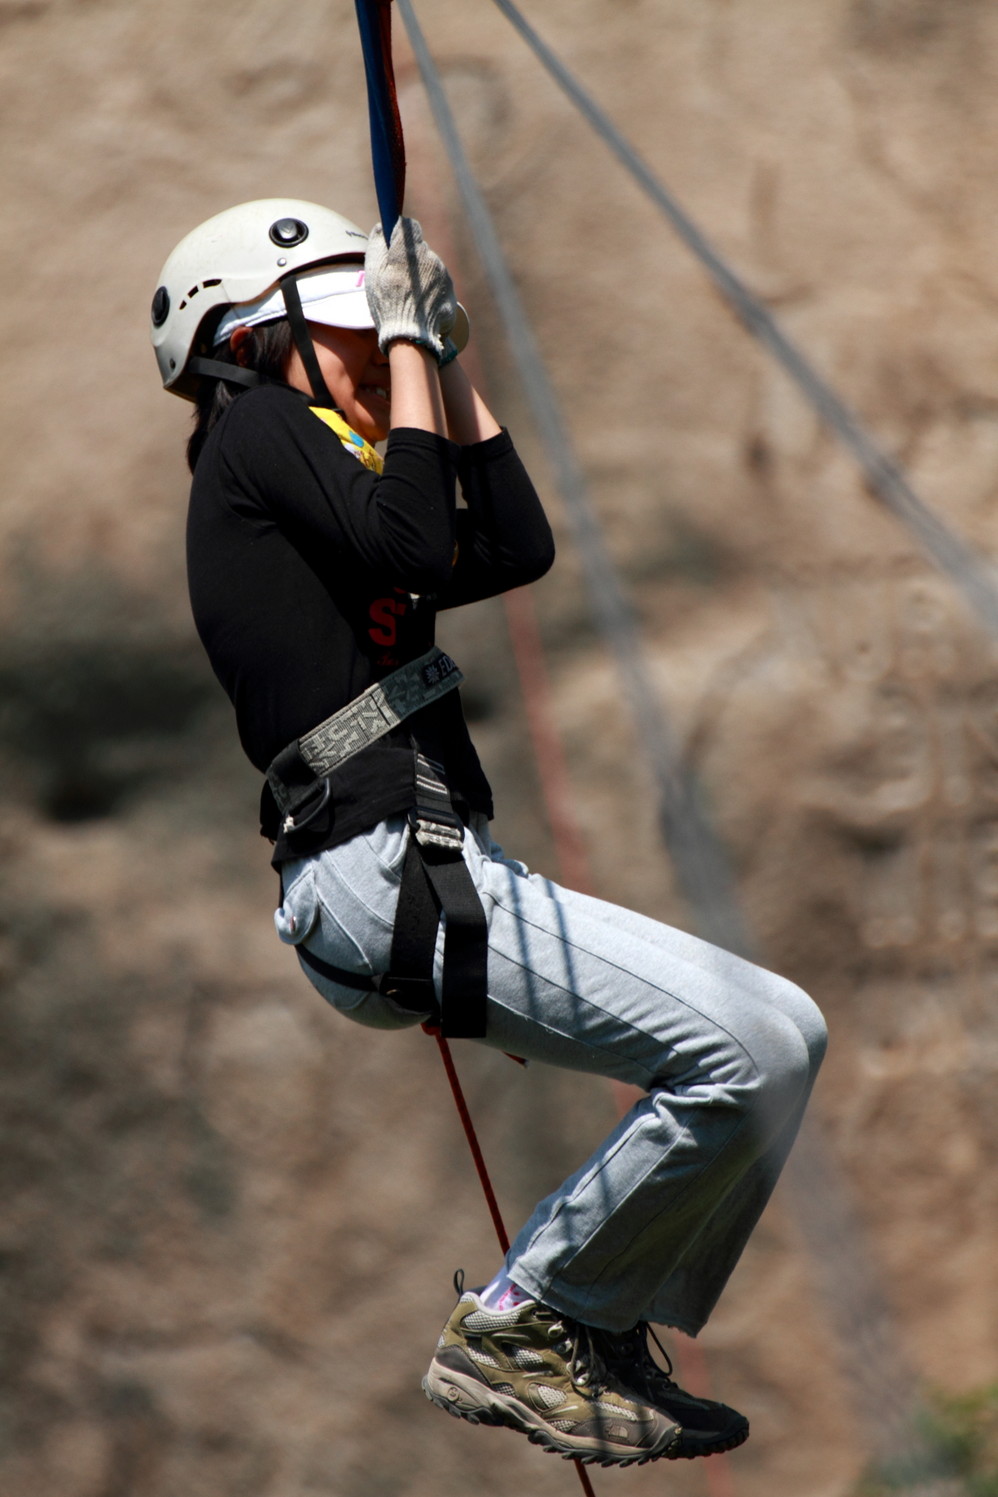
[[409, 290]]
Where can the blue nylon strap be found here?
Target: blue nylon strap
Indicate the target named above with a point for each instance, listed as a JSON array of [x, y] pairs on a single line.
[[387, 147]]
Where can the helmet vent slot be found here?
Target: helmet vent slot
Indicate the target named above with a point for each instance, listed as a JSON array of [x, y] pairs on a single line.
[[192, 293]]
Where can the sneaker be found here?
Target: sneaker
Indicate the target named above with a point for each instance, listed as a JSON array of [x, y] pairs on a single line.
[[532, 1369], [707, 1427]]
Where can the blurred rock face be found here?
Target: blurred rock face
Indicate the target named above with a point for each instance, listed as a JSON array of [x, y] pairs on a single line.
[[231, 1218]]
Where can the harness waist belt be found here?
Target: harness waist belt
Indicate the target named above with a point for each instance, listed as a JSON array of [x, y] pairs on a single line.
[[366, 719]]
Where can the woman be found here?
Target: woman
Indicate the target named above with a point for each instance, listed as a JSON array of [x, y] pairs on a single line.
[[316, 571]]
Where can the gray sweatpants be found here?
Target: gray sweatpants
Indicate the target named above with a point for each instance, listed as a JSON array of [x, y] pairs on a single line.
[[650, 1227]]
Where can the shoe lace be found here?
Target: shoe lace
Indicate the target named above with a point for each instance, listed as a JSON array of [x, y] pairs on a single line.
[[631, 1350], [577, 1342], [662, 1374]]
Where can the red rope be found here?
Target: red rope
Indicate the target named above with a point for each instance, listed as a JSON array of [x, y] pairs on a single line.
[[471, 1136], [483, 1175]]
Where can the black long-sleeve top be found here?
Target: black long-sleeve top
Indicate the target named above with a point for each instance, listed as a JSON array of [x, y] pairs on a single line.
[[312, 577]]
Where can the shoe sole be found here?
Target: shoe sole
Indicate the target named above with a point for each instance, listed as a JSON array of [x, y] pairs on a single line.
[[681, 1451], [469, 1399]]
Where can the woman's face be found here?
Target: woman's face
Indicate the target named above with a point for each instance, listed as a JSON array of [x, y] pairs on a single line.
[[356, 373]]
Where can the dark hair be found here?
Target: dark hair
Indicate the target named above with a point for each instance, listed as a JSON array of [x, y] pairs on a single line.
[[267, 350]]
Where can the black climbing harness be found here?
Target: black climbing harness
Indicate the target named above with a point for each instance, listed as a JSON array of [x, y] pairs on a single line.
[[435, 877]]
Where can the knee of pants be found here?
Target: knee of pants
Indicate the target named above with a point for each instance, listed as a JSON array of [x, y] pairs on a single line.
[[807, 1016], [787, 1045], [764, 1064]]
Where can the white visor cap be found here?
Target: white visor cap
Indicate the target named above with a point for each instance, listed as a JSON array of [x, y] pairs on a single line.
[[332, 295]]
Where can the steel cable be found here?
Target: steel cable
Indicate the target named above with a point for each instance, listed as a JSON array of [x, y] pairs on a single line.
[[972, 573]]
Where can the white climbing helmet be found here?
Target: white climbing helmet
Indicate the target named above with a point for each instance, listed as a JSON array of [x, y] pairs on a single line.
[[237, 257]]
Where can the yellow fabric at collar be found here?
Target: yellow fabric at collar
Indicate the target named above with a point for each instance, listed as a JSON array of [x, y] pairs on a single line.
[[361, 450]]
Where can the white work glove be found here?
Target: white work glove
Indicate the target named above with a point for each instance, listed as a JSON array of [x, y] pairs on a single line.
[[409, 290]]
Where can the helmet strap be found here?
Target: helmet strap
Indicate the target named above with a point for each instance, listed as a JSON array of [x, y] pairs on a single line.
[[215, 369], [303, 342]]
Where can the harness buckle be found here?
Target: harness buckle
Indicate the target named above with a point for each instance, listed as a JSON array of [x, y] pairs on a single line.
[[437, 828], [294, 822], [414, 993]]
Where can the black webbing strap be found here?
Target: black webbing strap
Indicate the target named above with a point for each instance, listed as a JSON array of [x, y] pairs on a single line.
[[346, 979], [303, 342], [409, 979], [435, 881], [435, 869], [464, 994], [218, 369]]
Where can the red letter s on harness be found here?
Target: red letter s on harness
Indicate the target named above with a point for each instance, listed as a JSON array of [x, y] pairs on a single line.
[[385, 611]]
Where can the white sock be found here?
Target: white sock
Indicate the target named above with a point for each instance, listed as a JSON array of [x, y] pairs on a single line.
[[502, 1293]]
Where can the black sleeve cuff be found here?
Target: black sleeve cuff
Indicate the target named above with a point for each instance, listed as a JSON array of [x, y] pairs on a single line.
[[413, 438]]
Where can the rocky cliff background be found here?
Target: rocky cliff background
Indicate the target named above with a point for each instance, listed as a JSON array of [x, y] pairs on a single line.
[[230, 1218]]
